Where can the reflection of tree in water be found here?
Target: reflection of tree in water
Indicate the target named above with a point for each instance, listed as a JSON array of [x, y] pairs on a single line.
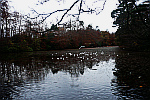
[[75, 62], [15, 72], [18, 69], [132, 76]]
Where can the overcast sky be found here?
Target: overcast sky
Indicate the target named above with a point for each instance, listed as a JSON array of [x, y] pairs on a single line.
[[103, 20]]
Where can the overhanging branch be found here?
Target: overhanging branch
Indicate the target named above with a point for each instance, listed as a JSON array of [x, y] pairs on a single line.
[[66, 11]]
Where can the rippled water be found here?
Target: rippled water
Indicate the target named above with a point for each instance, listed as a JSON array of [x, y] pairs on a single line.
[[73, 74]]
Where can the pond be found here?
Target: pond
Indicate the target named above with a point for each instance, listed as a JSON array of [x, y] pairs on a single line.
[[105, 73]]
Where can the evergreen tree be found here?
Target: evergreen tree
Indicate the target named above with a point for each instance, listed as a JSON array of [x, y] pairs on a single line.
[[133, 23]]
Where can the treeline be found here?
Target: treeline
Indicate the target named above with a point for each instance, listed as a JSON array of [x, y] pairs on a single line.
[[20, 33], [133, 23], [50, 41], [77, 38], [16, 30], [13, 23]]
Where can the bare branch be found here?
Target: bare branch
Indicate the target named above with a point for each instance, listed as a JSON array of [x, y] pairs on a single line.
[[80, 7], [67, 12], [102, 8], [42, 2], [83, 7]]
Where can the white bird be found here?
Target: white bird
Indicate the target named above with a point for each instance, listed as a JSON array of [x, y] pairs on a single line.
[[81, 47]]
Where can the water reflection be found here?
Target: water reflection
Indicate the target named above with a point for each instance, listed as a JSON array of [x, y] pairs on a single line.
[[104, 73], [22, 75], [132, 73]]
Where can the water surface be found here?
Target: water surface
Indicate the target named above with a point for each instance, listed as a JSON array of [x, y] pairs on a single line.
[[103, 73]]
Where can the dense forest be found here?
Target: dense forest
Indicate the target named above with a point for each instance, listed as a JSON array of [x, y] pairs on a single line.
[[133, 21]]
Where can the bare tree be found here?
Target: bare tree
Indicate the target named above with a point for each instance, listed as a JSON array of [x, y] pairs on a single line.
[[82, 5], [4, 17]]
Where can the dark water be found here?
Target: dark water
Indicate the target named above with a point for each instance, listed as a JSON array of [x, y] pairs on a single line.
[[103, 73]]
